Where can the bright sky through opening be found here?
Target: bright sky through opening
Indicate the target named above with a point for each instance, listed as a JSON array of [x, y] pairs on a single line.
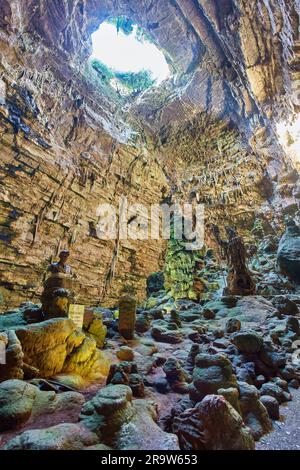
[[289, 137], [126, 54]]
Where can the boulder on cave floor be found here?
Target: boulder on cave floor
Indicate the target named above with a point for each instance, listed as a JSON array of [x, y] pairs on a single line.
[[60, 437], [253, 411], [271, 358], [142, 432], [285, 305], [247, 341], [233, 325], [125, 353], [163, 334], [271, 405], [251, 310], [213, 424], [108, 411], [21, 401], [211, 373], [288, 255], [274, 390], [178, 379], [56, 346], [143, 323], [124, 424], [284, 332], [126, 373], [16, 403]]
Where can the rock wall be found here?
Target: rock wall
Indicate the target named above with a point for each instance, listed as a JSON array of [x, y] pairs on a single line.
[[59, 161], [68, 145], [213, 165]]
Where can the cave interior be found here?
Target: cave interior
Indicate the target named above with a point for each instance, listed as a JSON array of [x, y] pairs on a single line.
[[116, 334]]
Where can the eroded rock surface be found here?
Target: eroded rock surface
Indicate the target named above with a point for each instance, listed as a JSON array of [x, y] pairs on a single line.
[[21, 401], [212, 424], [56, 346], [289, 251], [59, 437], [123, 423], [210, 374]]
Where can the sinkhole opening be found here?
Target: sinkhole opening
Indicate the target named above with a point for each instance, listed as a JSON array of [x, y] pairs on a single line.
[[125, 57]]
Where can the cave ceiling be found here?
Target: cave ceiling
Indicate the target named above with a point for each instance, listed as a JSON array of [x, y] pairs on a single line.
[[233, 59]]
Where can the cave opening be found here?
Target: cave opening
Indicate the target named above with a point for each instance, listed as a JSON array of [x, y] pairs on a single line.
[[125, 57]]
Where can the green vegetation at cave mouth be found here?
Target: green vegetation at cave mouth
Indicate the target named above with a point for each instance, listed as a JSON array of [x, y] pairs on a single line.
[[124, 83]]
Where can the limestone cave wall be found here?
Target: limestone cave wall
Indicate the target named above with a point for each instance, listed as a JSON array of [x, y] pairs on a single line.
[[66, 146], [61, 157]]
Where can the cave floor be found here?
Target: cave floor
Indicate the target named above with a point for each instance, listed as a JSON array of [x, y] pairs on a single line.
[[286, 433], [255, 312]]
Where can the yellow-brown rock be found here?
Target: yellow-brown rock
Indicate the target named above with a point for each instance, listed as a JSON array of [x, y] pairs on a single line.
[[127, 316], [98, 331], [93, 325], [55, 347], [57, 295]]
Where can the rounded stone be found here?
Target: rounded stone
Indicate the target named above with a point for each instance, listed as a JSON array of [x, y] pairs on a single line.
[[271, 405], [211, 373], [247, 341], [109, 399], [294, 383], [233, 325], [213, 424], [16, 403], [208, 314], [275, 391], [285, 306], [143, 323], [260, 380], [125, 354], [65, 436]]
